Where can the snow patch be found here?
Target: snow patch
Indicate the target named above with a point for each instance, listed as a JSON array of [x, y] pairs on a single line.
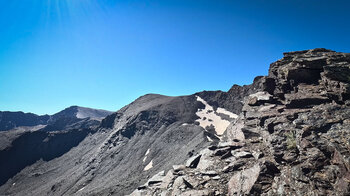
[[209, 139], [208, 117], [96, 114], [147, 152], [81, 189], [144, 159], [149, 166]]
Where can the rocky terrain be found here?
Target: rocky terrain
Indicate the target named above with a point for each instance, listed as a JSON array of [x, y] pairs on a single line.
[[11, 120], [32, 137], [285, 134], [292, 137]]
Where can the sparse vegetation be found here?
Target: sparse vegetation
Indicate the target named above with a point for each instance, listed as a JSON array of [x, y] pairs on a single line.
[[291, 140]]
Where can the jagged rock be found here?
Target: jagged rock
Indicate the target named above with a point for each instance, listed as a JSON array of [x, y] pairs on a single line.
[[305, 99], [178, 167], [293, 129], [156, 178], [222, 151], [233, 166], [243, 182], [258, 155], [254, 180], [167, 180], [216, 178], [231, 144], [234, 131], [193, 161], [258, 98], [187, 183], [210, 173], [242, 154]]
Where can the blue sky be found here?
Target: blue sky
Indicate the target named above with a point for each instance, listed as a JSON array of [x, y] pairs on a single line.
[[104, 53]]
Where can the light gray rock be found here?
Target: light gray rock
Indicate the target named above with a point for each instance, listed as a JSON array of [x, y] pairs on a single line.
[[242, 182], [178, 167]]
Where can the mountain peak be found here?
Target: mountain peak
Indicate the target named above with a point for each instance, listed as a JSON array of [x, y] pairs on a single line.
[[82, 112]]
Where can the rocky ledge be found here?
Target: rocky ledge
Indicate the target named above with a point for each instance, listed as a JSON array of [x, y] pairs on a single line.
[[292, 137]]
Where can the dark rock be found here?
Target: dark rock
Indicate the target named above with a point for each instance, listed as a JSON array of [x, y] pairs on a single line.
[[254, 180], [193, 161], [11, 120], [188, 185], [233, 166], [222, 151]]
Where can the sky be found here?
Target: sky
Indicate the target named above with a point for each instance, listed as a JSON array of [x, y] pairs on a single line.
[[106, 53]]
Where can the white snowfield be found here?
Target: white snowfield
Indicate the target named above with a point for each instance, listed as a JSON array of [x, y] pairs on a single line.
[[208, 117], [92, 113], [149, 166]]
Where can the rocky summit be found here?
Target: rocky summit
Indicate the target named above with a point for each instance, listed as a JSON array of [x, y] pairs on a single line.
[[285, 134], [291, 138]]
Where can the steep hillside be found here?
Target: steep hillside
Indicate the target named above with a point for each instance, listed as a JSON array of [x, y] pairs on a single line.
[[11, 120], [30, 147], [292, 137], [147, 136], [43, 137]]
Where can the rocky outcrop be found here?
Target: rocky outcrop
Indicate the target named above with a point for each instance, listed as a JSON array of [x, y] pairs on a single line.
[[232, 99], [292, 137]]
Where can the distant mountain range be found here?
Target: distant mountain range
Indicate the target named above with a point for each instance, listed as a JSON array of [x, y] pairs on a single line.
[[285, 134], [70, 115]]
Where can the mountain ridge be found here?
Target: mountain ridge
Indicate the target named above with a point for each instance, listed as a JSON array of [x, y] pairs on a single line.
[[288, 140], [285, 134], [10, 120]]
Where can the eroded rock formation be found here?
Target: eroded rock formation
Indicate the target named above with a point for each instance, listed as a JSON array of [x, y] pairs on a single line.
[[292, 137]]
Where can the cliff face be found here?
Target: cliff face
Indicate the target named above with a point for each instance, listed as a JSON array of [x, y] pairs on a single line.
[[292, 137]]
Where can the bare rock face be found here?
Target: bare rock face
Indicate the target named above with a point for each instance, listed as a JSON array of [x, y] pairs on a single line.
[[252, 181], [325, 69], [292, 137]]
